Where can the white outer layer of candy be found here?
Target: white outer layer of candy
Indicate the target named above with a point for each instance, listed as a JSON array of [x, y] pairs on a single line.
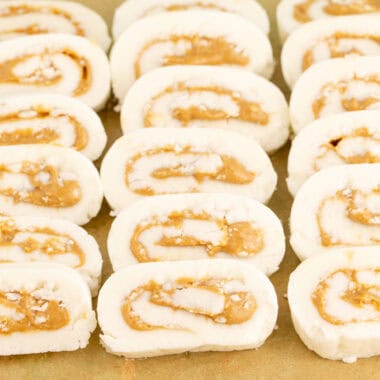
[[118, 338], [312, 80], [233, 208], [71, 287], [247, 151], [99, 91], [305, 237], [133, 10], [66, 159], [306, 145], [94, 27], [92, 268], [247, 37], [347, 342], [64, 105], [251, 86], [311, 33]]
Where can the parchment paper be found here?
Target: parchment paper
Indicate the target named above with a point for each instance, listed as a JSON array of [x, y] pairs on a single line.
[[282, 357]]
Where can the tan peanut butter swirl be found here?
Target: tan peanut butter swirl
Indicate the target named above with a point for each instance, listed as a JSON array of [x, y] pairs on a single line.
[[185, 7], [342, 87], [231, 170], [360, 135], [34, 313], [49, 74], [355, 202], [240, 239], [29, 9], [53, 244], [301, 11], [239, 306], [336, 50], [201, 50], [47, 135], [55, 192], [356, 294], [247, 110]]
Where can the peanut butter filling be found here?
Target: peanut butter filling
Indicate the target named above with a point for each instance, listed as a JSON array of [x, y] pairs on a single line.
[[357, 294], [54, 192], [239, 307], [247, 111], [49, 74], [201, 50], [336, 51], [301, 10], [356, 211], [240, 239], [54, 243], [342, 87], [28, 9], [231, 170], [45, 135], [185, 7], [361, 134], [34, 313]]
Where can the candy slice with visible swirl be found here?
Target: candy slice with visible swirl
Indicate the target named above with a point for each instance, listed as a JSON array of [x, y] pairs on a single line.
[[335, 303], [292, 14], [31, 239], [51, 119], [335, 86], [43, 307], [197, 226], [347, 138], [188, 38], [55, 63], [162, 161], [338, 207], [26, 17], [200, 96], [164, 308], [345, 37], [43, 180]]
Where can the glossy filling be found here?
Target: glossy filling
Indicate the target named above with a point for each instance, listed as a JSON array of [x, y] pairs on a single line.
[[185, 7], [191, 50], [42, 69], [37, 241], [343, 96], [39, 185], [177, 230], [186, 164], [32, 11], [359, 147], [21, 311], [222, 301], [341, 44], [302, 10], [350, 217], [188, 104], [42, 133], [349, 296]]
